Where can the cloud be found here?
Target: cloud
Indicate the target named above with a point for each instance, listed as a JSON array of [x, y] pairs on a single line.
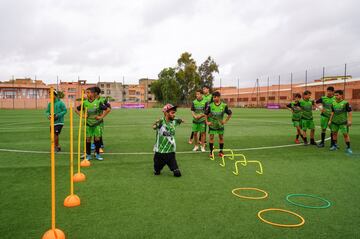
[[135, 39]]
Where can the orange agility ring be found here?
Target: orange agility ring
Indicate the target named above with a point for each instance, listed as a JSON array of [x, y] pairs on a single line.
[[247, 197], [278, 224]]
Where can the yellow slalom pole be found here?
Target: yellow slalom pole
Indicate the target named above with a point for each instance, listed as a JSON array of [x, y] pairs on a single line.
[[85, 162], [79, 176], [72, 200], [53, 232]]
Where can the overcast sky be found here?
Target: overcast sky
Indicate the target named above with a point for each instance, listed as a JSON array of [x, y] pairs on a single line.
[[135, 39]]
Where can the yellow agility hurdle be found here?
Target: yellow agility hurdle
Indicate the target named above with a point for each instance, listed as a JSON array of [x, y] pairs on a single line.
[[232, 157], [244, 162], [224, 150]]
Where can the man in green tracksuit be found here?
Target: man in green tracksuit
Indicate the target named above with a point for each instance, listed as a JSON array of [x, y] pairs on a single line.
[[215, 120], [340, 119], [198, 127], [59, 112], [326, 102], [96, 111], [307, 122]]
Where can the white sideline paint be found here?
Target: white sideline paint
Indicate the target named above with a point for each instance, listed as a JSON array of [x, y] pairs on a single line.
[[150, 153]]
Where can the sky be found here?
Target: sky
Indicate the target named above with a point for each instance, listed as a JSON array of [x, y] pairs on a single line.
[[129, 40]]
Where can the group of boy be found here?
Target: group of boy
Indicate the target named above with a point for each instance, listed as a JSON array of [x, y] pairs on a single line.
[[97, 107], [336, 114]]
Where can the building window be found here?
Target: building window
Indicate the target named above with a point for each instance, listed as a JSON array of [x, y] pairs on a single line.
[[102, 92], [253, 99], [108, 92], [107, 85], [71, 96], [356, 94], [102, 85], [72, 90], [283, 98], [149, 98], [262, 98], [271, 97]]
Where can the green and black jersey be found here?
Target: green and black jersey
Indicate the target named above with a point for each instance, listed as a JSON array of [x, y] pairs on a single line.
[[296, 110], [306, 109], [199, 107], [216, 114], [165, 136], [327, 104], [340, 110], [94, 108], [208, 97]]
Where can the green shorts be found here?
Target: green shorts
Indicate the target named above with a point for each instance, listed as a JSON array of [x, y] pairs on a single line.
[[94, 131], [199, 127], [297, 123], [324, 121], [342, 127], [307, 124], [216, 131]]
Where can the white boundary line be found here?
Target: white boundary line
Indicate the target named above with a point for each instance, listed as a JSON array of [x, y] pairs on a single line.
[[150, 153]]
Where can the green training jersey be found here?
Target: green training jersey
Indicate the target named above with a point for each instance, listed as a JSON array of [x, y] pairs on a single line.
[[340, 110], [326, 103], [296, 110], [216, 114], [306, 109], [59, 111], [199, 106], [165, 135], [94, 108], [207, 97]]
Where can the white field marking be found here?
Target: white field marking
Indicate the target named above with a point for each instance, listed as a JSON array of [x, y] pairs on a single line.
[[150, 153]]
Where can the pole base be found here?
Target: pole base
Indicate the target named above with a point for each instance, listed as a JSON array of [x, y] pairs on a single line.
[[72, 201], [54, 234], [85, 163], [79, 177]]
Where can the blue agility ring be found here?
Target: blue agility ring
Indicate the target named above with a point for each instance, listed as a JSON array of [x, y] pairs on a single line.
[[327, 205]]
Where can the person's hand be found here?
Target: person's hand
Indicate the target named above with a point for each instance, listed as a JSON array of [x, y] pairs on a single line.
[[208, 123], [329, 124], [349, 123], [223, 122], [98, 117], [56, 117], [49, 117]]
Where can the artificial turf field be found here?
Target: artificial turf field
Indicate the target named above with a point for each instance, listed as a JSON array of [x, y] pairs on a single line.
[[121, 197]]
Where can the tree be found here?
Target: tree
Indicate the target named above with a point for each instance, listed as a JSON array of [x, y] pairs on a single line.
[[206, 72], [166, 89], [187, 77]]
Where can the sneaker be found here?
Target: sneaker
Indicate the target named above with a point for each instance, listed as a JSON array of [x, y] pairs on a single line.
[[57, 149], [333, 148], [321, 145], [92, 146], [101, 150], [190, 141], [156, 173], [211, 155], [195, 148], [313, 143], [98, 157], [306, 143], [203, 149], [88, 157], [221, 154], [297, 141], [348, 151]]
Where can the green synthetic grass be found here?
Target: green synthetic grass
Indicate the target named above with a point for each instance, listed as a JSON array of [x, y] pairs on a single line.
[[123, 199]]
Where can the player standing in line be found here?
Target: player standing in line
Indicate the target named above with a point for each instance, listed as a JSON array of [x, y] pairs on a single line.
[[340, 119], [165, 145], [326, 102], [295, 108], [198, 127], [307, 122], [208, 98], [104, 100], [215, 120], [59, 113], [96, 111]]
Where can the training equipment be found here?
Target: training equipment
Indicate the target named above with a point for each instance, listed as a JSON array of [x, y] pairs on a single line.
[[79, 176], [72, 200], [327, 205], [53, 232], [247, 197], [85, 162], [278, 224]]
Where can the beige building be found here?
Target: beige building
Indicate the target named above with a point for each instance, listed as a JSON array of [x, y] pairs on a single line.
[[114, 90]]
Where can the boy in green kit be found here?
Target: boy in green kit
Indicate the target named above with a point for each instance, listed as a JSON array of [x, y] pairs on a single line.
[[295, 108], [326, 102], [199, 127], [307, 122], [340, 119], [215, 120]]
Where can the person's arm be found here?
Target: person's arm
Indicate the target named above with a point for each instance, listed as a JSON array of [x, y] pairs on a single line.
[[193, 111], [349, 110], [47, 112], [63, 110], [229, 114], [289, 107], [157, 124], [331, 116], [207, 115]]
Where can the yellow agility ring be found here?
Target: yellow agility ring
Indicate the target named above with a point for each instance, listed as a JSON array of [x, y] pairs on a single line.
[[246, 197], [278, 224]]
